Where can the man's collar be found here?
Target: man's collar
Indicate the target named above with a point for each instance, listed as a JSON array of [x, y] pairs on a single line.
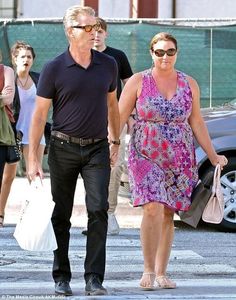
[[68, 58], [70, 61]]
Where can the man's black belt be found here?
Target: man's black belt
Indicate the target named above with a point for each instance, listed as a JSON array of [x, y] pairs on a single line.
[[72, 139]]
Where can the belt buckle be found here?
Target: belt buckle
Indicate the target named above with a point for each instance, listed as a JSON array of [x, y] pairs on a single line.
[[82, 142]]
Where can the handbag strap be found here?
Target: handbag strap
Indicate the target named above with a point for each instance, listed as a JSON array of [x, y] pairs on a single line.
[[1, 77], [216, 179]]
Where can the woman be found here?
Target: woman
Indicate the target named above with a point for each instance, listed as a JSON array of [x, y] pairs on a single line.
[[7, 90], [7, 180], [9, 173], [23, 56], [162, 166]]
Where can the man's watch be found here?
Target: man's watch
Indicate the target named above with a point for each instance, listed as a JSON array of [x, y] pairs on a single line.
[[115, 142]]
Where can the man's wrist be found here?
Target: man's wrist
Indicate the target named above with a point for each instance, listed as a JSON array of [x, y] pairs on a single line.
[[133, 116], [115, 142]]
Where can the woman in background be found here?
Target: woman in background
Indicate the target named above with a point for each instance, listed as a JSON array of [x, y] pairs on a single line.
[[23, 56], [7, 90]]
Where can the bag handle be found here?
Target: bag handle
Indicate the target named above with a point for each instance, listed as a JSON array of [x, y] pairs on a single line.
[[216, 178], [1, 77], [37, 182]]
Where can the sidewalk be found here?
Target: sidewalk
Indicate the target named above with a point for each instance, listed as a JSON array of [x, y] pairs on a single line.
[[128, 217]]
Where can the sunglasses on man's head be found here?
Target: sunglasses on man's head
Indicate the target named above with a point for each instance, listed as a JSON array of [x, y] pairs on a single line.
[[161, 52], [88, 28]]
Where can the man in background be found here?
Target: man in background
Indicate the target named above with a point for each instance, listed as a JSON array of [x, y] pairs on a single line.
[[124, 72]]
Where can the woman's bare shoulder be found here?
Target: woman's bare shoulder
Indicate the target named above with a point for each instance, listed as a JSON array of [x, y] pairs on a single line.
[[191, 80], [136, 76]]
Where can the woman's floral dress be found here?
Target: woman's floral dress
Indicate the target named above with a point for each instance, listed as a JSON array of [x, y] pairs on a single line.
[[161, 163]]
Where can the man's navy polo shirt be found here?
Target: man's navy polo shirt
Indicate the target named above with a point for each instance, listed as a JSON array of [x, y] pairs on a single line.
[[79, 95]]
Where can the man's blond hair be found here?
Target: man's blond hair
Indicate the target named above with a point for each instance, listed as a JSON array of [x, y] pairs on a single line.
[[71, 14]]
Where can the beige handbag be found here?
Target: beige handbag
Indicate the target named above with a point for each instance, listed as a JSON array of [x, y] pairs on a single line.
[[199, 199], [214, 210]]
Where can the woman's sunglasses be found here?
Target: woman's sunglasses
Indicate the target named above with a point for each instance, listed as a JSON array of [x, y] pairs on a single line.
[[161, 52]]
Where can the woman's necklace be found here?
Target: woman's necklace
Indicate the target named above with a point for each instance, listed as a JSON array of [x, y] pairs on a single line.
[[21, 83]]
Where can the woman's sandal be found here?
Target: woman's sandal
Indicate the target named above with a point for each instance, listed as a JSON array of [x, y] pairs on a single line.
[[164, 282], [147, 281], [1, 221]]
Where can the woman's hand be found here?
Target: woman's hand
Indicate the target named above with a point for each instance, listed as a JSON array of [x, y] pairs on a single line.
[[7, 90], [130, 123], [221, 160]]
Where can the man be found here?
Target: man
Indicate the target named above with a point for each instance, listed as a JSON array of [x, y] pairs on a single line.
[[82, 83], [124, 72]]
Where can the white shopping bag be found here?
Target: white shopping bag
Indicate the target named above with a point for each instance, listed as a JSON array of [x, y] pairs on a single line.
[[34, 231]]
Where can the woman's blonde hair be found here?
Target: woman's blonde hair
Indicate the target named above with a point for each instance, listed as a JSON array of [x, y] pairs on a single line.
[[163, 36]]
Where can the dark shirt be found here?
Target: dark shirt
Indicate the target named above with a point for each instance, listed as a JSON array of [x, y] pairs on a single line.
[[79, 95], [124, 68]]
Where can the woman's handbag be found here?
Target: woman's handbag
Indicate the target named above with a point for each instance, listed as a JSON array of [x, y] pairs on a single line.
[[6, 131], [7, 136], [200, 196], [13, 154], [34, 231], [214, 210]]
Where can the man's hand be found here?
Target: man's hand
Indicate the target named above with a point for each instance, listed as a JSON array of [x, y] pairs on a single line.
[[34, 169]]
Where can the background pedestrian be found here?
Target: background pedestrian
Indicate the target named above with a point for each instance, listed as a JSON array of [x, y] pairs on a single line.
[[23, 56], [7, 90], [124, 73]]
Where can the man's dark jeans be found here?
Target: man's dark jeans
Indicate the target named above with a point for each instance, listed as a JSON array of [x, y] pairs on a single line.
[[66, 161]]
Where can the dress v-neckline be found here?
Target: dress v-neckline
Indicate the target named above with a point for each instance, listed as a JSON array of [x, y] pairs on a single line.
[[162, 96]]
